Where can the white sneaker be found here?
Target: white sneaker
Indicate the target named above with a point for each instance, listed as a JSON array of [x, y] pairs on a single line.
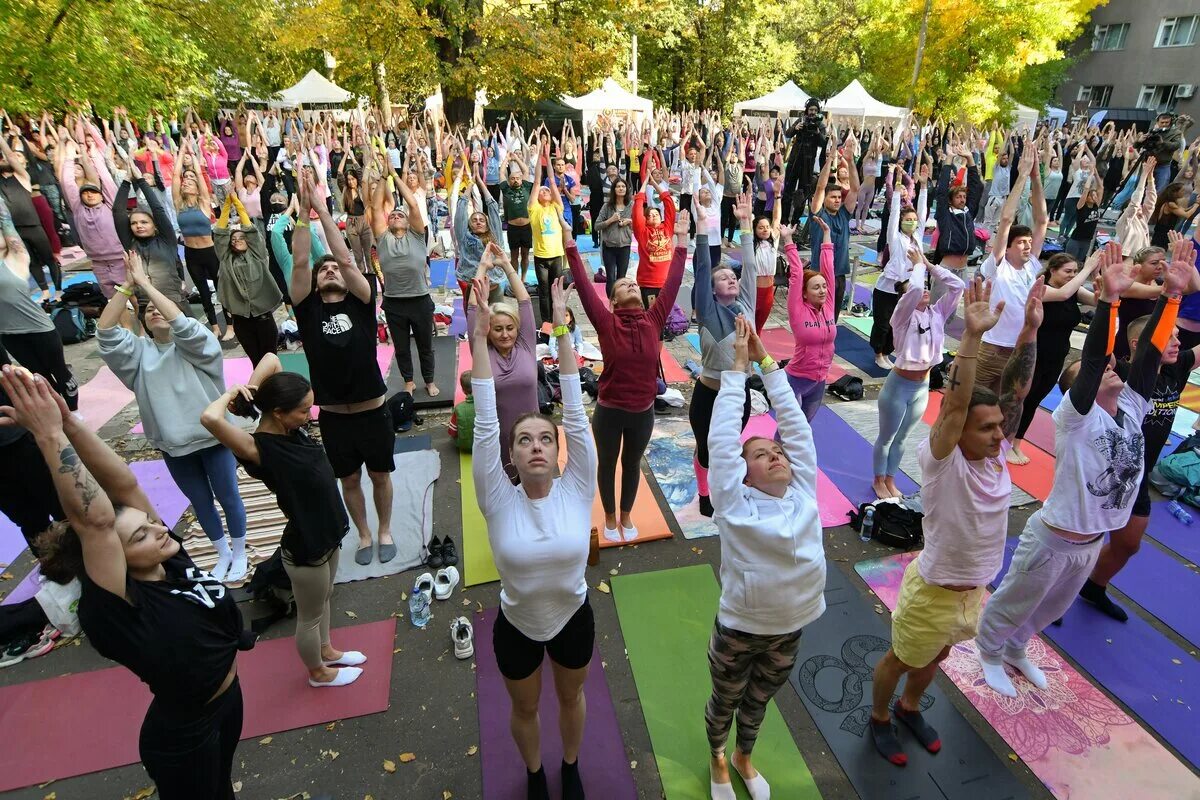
[[463, 637], [345, 676], [350, 658], [424, 583], [444, 582], [612, 535], [220, 570]]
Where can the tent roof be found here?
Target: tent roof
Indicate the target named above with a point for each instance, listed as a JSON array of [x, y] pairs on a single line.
[[547, 110], [610, 95], [855, 101], [783, 99], [314, 89]]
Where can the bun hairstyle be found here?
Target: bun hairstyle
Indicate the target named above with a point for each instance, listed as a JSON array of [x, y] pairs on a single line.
[[283, 391], [59, 552]]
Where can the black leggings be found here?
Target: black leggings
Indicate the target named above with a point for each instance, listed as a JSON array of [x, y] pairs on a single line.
[[616, 264], [700, 415], [882, 304], [27, 495], [548, 270], [203, 266], [40, 255], [1045, 375], [625, 434], [729, 222], [43, 353], [411, 316], [257, 335], [189, 753]]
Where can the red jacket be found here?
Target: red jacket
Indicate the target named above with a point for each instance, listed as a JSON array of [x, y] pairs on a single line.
[[655, 244]]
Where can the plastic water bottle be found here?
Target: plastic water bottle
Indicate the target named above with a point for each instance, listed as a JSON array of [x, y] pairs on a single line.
[[1179, 512], [418, 609], [868, 524]]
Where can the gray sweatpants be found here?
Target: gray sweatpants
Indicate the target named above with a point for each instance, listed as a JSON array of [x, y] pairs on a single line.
[[1046, 575]]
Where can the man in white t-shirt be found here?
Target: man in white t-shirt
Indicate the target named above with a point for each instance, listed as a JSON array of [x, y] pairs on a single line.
[[1099, 450], [1012, 266], [966, 494]]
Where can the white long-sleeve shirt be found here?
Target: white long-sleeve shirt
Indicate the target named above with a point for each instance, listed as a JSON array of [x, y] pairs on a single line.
[[772, 553], [540, 546], [899, 267]]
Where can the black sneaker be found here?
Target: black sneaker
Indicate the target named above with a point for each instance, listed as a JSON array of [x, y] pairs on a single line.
[[434, 558], [1097, 595], [23, 648], [449, 553]]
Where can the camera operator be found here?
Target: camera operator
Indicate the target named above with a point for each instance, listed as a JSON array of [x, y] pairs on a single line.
[[808, 136], [1163, 142]]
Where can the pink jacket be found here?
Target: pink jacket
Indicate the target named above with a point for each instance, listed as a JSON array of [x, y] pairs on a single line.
[[814, 328]]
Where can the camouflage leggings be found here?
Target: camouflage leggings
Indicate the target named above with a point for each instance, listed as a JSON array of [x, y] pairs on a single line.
[[747, 670]]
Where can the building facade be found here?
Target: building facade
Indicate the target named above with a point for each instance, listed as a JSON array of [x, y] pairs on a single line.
[[1137, 54]]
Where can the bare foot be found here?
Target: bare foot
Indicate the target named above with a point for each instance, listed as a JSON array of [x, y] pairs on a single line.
[[1015, 456], [891, 485], [432, 390], [718, 769], [881, 488]]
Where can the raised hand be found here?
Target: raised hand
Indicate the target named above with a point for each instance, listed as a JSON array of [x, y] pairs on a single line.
[[741, 344], [744, 209], [558, 301], [1027, 162], [1179, 272], [481, 288], [33, 405], [135, 270], [1116, 275], [786, 232], [1033, 305], [681, 220], [755, 346], [978, 313]]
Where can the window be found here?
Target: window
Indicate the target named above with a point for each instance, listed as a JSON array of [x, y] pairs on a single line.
[[1176, 31], [1110, 37], [1096, 96], [1158, 98]]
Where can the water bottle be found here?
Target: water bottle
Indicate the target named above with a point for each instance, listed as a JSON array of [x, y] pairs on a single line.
[[1179, 512], [418, 608], [868, 524]]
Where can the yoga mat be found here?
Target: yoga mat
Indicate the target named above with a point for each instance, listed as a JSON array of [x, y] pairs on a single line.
[[861, 324], [1053, 399], [102, 398], [1191, 396], [458, 321], [833, 676], [12, 542], [1170, 532], [298, 362], [1041, 431], [60, 718], [441, 272], [445, 374], [603, 764], [1035, 478], [779, 342], [412, 518], [26, 589], [694, 340], [672, 372], [845, 456], [1073, 738], [412, 443], [158, 485], [464, 364], [1141, 667], [667, 619], [237, 371], [857, 351], [1185, 420], [478, 566], [1164, 587], [670, 455]]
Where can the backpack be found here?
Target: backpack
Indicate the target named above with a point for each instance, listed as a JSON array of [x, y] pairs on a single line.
[[400, 406], [270, 584], [549, 391], [847, 387], [937, 375], [84, 293], [72, 326], [894, 524], [677, 321], [1182, 468], [589, 381]]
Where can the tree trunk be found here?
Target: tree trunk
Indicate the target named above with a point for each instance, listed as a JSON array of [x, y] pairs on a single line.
[[383, 98], [458, 100]]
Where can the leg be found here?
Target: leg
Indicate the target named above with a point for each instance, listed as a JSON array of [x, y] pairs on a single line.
[[839, 296], [398, 329], [769, 671], [608, 256], [311, 587], [525, 723], [730, 656], [190, 476], [893, 404], [21, 619], [423, 333], [356, 506], [762, 306], [221, 469], [700, 415], [27, 495], [542, 267], [43, 353], [637, 431], [381, 484], [572, 708], [608, 448], [193, 259], [882, 304], [914, 409], [328, 652]]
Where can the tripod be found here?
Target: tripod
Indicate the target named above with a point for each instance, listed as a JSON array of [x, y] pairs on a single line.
[[1141, 159]]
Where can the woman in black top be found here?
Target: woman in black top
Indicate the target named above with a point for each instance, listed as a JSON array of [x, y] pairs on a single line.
[[143, 603], [293, 466], [1060, 307], [148, 230]]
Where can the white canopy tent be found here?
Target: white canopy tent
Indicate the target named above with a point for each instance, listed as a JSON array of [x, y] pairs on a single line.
[[1026, 118], [855, 101], [780, 101], [611, 97], [314, 89]]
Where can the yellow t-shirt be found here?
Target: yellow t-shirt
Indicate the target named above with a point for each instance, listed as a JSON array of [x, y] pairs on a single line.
[[547, 230]]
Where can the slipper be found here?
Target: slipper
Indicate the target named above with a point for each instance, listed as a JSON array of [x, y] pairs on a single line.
[[365, 554], [386, 553]]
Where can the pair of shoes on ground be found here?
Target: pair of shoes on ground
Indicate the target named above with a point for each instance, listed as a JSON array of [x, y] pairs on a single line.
[[620, 534], [348, 670], [441, 553], [572, 784], [364, 555], [888, 745], [438, 585], [31, 645]]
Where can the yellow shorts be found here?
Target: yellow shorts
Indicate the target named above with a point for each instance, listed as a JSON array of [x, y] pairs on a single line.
[[928, 618]]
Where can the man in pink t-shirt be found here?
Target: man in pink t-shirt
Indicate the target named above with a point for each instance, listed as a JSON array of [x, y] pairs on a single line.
[[966, 494]]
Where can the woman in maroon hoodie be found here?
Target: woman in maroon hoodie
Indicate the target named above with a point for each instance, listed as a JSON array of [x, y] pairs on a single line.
[[810, 314], [630, 340]]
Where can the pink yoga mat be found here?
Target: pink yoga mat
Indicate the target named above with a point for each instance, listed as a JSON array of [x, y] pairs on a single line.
[[237, 371], [1076, 740], [1041, 431], [101, 398], [87, 722]]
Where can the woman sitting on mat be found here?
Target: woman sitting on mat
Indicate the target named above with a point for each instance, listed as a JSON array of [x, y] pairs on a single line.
[[175, 372], [143, 603], [764, 493], [295, 468], [814, 326], [539, 533], [716, 311], [512, 348], [629, 336], [919, 330]]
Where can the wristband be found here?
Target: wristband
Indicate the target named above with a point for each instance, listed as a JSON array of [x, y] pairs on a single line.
[[123, 291], [301, 223], [561, 330], [766, 362]]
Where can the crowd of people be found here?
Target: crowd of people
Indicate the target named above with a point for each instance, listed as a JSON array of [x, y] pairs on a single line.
[[336, 222]]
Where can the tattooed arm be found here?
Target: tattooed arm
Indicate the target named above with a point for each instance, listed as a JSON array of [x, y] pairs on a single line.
[[1018, 372]]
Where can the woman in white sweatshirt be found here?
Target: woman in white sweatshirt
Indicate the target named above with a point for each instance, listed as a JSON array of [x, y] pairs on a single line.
[[174, 373], [764, 496]]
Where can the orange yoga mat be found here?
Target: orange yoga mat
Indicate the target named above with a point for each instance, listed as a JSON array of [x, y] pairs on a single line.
[[1191, 397], [647, 516], [1035, 478]]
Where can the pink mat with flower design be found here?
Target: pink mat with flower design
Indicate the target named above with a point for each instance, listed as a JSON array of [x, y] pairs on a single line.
[[1073, 737]]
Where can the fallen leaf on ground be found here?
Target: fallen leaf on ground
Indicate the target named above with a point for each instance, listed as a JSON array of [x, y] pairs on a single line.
[[389, 766], [142, 794], [7, 576], [407, 757], [1176, 661], [472, 750], [633, 765], [612, 572], [237, 786], [266, 740], [351, 615], [331, 725], [51, 796], [446, 794], [1012, 756], [604, 588]]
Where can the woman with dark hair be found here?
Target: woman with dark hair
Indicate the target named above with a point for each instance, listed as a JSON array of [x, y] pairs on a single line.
[[193, 213], [281, 454], [473, 232], [247, 291], [143, 603], [767, 240], [148, 231], [905, 232], [1172, 208], [539, 533], [615, 224]]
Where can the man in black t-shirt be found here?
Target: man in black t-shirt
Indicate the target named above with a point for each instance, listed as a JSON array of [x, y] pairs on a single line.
[[337, 326], [1123, 544]]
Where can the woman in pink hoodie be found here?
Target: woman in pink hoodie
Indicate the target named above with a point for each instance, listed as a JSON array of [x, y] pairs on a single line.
[[810, 313]]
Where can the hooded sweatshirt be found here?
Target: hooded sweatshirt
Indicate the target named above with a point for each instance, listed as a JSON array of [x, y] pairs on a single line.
[[814, 329]]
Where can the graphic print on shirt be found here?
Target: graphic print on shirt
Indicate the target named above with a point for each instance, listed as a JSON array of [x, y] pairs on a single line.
[[207, 590], [1119, 480], [922, 331], [336, 329]]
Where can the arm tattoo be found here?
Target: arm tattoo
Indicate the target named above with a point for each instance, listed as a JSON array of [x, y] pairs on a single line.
[[85, 484], [952, 380], [1014, 385]]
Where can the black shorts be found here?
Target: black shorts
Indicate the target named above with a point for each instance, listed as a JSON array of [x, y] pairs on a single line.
[[518, 656], [352, 440], [1141, 506], [520, 236]]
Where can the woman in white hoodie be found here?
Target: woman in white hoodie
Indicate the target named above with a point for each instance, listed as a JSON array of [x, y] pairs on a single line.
[[764, 496]]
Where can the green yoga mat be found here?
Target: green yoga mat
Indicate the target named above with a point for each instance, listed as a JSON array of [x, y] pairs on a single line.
[[295, 362], [666, 619], [477, 551], [860, 324]]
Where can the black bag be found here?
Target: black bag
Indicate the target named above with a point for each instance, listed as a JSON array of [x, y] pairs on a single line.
[[84, 293], [72, 326], [401, 407], [589, 381], [847, 387], [937, 375], [549, 392], [893, 524], [271, 585]]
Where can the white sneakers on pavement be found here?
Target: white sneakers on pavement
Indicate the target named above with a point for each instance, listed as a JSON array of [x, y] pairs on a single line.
[[463, 636], [445, 582]]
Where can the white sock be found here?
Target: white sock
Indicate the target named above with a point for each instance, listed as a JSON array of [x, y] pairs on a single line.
[[224, 558], [1030, 670], [238, 566], [997, 678]]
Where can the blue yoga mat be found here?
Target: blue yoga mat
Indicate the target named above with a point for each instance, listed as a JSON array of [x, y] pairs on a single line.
[[857, 350], [1157, 680], [1053, 399], [694, 340], [441, 272], [1163, 586], [845, 457]]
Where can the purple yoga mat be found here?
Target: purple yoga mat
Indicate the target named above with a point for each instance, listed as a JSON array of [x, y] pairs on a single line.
[[156, 482], [845, 457], [602, 760], [1164, 587], [1165, 529], [1141, 667], [12, 542], [26, 589], [458, 323]]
